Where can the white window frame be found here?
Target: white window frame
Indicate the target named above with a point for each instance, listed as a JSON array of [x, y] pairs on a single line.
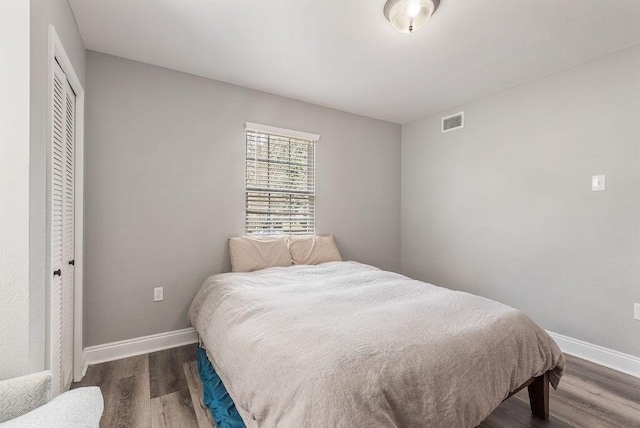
[[277, 132]]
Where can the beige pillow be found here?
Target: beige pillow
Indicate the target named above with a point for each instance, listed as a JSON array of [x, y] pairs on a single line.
[[314, 250], [249, 253]]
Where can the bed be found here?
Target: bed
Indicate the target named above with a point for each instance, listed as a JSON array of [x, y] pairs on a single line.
[[344, 344]]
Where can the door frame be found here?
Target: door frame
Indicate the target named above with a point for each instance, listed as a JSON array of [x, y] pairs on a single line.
[[57, 52]]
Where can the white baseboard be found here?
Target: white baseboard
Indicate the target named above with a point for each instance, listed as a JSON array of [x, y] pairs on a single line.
[[143, 345], [619, 361], [138, 346]]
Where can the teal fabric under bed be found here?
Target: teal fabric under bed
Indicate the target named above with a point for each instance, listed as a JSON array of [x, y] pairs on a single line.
[[216, 396]]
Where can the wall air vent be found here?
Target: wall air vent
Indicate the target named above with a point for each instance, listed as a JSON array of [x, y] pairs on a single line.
[[453, 122]]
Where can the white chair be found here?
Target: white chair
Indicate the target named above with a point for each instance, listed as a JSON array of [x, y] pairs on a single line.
[[26, 402]]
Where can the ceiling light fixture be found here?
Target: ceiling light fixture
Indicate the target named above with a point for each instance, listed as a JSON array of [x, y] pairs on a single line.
[[408, 16]]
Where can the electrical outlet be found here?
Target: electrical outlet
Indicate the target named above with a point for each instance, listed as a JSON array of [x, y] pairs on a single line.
[[598, 183], [158, 294], [636, 311]]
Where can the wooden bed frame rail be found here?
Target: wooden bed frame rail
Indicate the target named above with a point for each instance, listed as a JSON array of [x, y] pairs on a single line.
[[538, 395]]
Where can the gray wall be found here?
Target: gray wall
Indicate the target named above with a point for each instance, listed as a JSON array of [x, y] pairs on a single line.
[[43, 13], [504, 208], [23, 196], [165, 188], [14, 188]]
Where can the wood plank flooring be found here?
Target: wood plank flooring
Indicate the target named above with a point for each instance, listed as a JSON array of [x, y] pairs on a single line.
[[163, 389]]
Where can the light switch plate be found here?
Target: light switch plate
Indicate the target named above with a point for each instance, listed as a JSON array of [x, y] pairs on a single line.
[[636, 311], [598, 182]]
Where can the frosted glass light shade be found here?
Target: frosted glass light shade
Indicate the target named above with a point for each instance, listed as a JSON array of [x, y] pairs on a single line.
[[408, 16]]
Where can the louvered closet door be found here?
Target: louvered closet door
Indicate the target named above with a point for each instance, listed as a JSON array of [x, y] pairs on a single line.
[[62, 231], [68, 236]]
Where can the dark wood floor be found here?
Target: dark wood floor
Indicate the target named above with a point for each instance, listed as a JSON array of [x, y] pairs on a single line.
[[163, 389]]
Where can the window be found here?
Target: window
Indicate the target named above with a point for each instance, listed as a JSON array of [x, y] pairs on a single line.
[[280, 181]]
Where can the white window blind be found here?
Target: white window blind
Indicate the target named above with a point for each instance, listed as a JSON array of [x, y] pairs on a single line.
[[280, 184]]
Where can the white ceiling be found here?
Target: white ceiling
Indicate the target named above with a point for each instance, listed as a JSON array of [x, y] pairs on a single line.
[[344, 54]]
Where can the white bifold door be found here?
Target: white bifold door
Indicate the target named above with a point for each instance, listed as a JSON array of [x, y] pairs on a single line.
[[62, 193]]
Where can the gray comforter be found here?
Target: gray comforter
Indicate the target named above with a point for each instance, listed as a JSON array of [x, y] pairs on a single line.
[[347, 345]]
